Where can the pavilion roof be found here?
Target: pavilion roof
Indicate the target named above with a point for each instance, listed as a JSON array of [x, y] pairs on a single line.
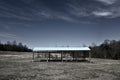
[[61, 49]]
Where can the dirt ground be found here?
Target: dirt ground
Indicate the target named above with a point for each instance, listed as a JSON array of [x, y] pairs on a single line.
[[19, 66]]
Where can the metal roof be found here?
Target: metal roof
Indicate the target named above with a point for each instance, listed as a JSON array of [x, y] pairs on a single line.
[[61, 49]]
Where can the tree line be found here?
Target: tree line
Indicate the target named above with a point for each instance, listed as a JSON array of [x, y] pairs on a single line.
[[14, 46], [109, 49]]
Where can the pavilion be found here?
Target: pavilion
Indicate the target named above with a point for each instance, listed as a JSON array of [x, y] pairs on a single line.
[[61, 53]]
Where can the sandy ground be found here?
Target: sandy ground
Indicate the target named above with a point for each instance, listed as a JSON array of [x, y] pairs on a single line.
[[19, 66]]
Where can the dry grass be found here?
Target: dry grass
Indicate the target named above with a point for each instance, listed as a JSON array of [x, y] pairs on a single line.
[[19, 66]]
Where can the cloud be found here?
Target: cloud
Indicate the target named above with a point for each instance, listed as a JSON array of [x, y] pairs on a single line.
[[110, 12], [7, 35], [28, 1], [30, 12], [115, 11], [33, 11], [109, 2], [102, 14], [66, 18], [95, 11], [24, 11], [12, 14], [77, 10]]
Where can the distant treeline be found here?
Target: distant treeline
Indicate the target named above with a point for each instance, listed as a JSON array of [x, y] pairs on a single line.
[[14, 46], [109, 49]]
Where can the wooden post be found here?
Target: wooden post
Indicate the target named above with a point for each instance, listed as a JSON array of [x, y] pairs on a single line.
[[76, 56], [33, 56], [61, 56], [83, 55], [65, 57], [89, 56], [73, 56], [37, 55], [49, 56]]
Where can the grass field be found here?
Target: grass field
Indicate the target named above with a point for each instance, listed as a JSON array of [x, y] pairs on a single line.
[[19, 66]]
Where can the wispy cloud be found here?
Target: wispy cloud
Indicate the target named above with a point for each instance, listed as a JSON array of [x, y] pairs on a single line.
[[102, 14], [115, 11], [77, 10], [30, 13], [36, 11], [66, 18], [109, 2], [110, 10], [33, 12], [12, 15], [28, 1], [7, 35]]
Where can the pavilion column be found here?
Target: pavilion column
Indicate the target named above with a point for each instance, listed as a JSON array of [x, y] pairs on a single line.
[[89, 56], [62, 56], [84, 55], [76, 55], [33, 56], [65, 56], [73, 56], [38, 55], [49, 56]]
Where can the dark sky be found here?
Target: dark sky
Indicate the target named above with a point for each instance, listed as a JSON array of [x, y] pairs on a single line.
[[59, 22]]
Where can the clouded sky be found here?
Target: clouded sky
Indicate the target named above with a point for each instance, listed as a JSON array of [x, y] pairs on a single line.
[[59, 22]]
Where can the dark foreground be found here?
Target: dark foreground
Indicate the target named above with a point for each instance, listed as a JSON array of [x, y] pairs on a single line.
[[19, 66]]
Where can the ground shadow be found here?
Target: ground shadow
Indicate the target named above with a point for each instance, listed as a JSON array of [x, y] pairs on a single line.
[[63, 61]]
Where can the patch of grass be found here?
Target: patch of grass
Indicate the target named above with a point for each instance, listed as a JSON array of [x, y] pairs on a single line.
[[22, 68]]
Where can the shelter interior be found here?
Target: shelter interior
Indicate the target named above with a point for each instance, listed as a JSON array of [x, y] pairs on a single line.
[[61, 56]]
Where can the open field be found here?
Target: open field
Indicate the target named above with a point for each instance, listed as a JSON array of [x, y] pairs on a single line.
[[19, 66]]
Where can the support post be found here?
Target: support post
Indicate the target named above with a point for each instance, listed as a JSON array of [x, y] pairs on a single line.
[[89, 56], [49, 56], [83, 55], [61, 56], [76, 56], [37, 54], [65, 57], [73, 56], [33, 56]]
